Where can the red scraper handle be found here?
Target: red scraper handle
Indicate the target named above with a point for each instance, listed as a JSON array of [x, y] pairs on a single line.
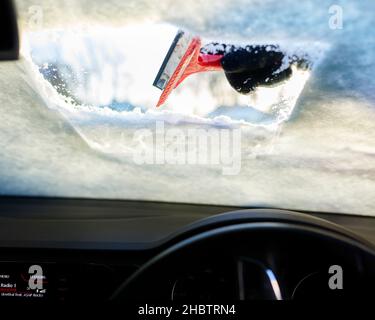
[[202, 63], [192, 62]]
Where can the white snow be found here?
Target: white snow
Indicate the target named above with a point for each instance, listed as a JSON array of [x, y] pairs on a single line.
[[316, 155]]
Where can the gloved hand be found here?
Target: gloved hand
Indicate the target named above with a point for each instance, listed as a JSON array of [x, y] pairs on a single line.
[[249, 67]]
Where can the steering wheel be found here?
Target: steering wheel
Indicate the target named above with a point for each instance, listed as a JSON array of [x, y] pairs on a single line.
[[255, 254]]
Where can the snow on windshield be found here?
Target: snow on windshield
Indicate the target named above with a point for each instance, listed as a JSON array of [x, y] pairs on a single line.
[[104, 76], [88, 104]]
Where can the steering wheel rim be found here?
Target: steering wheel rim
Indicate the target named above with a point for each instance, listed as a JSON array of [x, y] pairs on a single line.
[[243, 220]]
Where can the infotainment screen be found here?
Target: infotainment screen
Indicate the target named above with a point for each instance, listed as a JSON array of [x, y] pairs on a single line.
[[23, 281], [56, 281]]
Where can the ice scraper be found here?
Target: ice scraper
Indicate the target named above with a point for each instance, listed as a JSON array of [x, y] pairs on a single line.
[[183, 59], [245, 67]]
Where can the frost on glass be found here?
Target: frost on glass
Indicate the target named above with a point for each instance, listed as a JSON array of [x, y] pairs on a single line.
[[101, 80]]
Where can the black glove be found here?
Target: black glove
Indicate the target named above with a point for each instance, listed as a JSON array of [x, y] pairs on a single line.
[[249, 67]]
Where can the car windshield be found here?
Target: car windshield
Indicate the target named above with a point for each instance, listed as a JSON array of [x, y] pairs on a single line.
[[79, 116]]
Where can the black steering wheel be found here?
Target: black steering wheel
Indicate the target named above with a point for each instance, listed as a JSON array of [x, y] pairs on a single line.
[[256, 254]]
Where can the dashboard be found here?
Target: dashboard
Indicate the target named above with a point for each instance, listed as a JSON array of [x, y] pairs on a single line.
[[63, 250]]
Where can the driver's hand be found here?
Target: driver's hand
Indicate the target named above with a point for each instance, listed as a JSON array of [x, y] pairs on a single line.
[[249, 67]]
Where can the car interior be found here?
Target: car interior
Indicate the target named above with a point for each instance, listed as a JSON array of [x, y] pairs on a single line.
[[181, 252]]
